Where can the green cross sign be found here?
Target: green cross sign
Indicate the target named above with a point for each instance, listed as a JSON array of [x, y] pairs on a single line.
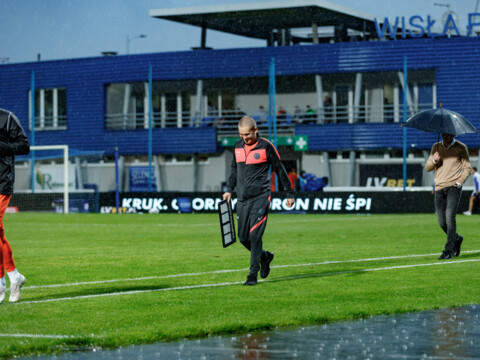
[[228, 141], [301, 143]]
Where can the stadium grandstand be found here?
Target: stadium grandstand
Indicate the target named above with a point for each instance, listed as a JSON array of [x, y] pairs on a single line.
[[340, 96]]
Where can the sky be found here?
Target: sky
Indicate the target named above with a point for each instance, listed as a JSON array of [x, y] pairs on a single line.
[[64, 29]]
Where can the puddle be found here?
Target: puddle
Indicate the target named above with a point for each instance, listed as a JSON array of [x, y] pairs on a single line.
[[435, 334]]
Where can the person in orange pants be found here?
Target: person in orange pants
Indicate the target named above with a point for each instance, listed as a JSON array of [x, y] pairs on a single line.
[[13, 141], [6, 258]]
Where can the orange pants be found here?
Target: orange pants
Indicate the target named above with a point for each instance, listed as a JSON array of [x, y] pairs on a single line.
[[6, 258]]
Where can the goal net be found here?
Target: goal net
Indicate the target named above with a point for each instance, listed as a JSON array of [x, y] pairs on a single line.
[[52, 176]]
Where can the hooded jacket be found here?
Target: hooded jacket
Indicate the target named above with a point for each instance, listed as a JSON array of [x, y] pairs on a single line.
[[13, 141], [250, 173]]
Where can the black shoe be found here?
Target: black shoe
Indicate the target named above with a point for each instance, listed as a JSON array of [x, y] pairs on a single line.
[[456, 252], [445, 255], [251, 280], [265, 265]]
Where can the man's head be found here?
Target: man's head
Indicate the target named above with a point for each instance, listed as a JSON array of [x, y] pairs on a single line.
[[247, 128], [447, 138], [474, 169]]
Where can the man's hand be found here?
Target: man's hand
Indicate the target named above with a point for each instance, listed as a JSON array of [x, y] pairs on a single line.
[[436, 157], [227, 196], [290, 202]]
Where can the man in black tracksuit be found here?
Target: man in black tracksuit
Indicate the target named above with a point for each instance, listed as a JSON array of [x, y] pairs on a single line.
[[13, 141], [250, 176]]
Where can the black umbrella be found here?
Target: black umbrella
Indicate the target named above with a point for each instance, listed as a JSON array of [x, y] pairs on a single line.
[[441, 121]]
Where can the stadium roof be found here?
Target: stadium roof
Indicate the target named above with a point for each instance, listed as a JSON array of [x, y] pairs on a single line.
[[262, 19]]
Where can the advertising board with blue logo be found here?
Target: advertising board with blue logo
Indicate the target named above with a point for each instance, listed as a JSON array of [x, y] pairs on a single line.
[[138, 179]]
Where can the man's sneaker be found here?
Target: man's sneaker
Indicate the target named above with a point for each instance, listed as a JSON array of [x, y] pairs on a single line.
[[456, 252], [15, 288], [468, 213], [251, 280], [3, 291], [445, 255], [265, 265]]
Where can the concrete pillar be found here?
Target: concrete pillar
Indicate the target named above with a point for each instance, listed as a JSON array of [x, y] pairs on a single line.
[[156, 171], [409, 96], [126, 102], [121, 173], [78, 172], [326, 164], [146, 107], [357, 97], [315, 33], [352, 168], [195, 173], [198, 108], [318, 82], [162, 176], [163, 109], [321, 110], [179, 110]]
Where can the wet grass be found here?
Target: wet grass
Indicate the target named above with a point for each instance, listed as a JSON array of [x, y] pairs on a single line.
[[126, 269]]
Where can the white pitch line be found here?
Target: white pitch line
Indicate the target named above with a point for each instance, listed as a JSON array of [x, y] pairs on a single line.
[[37, 336], [189, 287], [373, 269], [231, 271], [131, 292]]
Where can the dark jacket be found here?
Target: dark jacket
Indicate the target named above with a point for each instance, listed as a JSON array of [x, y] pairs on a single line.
[[250, 174], [13, 141]]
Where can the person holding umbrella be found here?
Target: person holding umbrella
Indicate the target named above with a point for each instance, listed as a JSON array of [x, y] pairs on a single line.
[[449, 158]]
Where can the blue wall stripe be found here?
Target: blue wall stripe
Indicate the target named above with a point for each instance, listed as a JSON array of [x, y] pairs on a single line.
[[455, 62]]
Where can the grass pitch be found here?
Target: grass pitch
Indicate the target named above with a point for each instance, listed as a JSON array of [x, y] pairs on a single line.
[[96, 280]]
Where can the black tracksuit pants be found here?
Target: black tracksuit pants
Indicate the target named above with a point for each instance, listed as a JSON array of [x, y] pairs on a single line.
[[446, 206], [252, 221]]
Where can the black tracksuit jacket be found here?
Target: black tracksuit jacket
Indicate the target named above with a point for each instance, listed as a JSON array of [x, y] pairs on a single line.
[[13, 141], [250, 174]]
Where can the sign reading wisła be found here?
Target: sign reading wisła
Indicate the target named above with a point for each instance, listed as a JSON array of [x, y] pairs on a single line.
[[424, 26]]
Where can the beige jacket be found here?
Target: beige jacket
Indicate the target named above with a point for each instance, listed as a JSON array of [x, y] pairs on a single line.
[[454, 165]]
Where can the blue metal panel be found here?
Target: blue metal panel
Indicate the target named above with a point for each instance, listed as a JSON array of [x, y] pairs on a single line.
[[342, 137], [165, 141], [455, 61]]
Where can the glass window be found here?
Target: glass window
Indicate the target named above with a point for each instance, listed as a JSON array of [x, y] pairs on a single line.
[[128, 106], [48, 112], [50, 109], [62, 108]]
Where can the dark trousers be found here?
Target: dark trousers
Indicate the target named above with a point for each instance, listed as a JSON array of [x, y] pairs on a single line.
[[252, 221], [446, 205]]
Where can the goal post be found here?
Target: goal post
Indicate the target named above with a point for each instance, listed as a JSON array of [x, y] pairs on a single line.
[[58, 178]]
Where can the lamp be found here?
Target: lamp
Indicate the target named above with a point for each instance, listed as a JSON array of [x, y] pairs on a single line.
[[129, 39]]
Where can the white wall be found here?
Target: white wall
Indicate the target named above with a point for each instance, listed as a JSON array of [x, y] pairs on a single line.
[[179, 176]]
